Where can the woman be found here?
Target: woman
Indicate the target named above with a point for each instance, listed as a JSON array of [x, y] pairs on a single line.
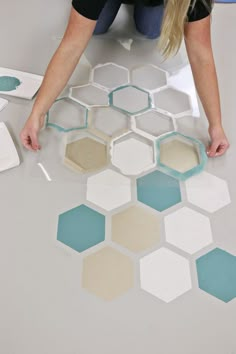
[[182, 18]]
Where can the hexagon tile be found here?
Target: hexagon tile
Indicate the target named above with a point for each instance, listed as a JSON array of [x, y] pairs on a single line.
[[172, 101], [165, 274], [153, 123], [149, 77], [158, 190], [180, 156], [110, 75], [81, 228], [208, 192], [136, 228], [108, 273], [188, 230], [86, 154], [67, 115], [130, 99], [109, 189], [217, 274], [132, 154], [107, 122], [89, 95]]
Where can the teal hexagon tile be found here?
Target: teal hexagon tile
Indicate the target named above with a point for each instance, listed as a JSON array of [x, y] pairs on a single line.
[[180, 156], [158, 190], [130, 99], [217, 274], [67, 115], [81, 228]]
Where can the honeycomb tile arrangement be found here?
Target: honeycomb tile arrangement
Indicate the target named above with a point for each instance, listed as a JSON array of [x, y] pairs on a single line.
[[137, 165]]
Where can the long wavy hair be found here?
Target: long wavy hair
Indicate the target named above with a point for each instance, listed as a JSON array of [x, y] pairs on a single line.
[[175, 16]]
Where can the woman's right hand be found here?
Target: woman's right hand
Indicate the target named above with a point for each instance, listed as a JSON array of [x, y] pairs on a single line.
[[30, 132]]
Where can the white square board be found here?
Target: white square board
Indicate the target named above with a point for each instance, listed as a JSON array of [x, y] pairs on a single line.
[[8, 154], [29, 83], [3, 103]]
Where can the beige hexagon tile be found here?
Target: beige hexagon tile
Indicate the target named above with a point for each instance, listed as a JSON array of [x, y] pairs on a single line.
[[107, 273], [136, 228]]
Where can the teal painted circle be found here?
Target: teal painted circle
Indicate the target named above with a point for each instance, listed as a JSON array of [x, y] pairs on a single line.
[[9, 83]]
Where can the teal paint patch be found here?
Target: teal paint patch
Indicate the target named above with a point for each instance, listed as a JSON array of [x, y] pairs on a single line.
[[9, 83], [158, 190], [217, 274], [81, 228], [190, 173]]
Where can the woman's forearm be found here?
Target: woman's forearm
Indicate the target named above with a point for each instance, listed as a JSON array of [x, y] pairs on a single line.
[[63, 63]]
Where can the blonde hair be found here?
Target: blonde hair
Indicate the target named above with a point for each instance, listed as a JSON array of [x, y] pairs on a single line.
[[172, 31]]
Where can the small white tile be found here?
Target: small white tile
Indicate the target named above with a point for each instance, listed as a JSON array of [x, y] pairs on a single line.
[[3, 103], [188, 230], [8, 155], [165, 274]]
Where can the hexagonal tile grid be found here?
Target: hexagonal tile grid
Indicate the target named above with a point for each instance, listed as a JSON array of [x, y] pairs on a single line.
[[107, 122], [86, 154], [208, 192], [165, 274], [136, 228], [188, 230], [81, 228], [158, 190], [180, 156], [67, 115], [149, 77], [107, 274], [172, 101], [110, 75], [130, 99], [132, 154], [217, 274], [89, 95], [109, 189], [153, 123]]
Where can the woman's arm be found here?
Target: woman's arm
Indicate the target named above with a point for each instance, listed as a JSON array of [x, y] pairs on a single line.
[[60, 68], [199, 49]]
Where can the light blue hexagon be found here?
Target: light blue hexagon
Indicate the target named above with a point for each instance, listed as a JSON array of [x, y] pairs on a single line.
[[217, 274], [131, 99], [158, 190], [182, 176], [59, 126], [81, 228]]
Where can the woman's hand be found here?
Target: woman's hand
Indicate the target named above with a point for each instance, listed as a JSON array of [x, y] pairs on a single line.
[[219, 142], [30, 132]]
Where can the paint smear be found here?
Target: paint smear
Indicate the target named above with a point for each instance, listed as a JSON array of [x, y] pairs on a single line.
[[9, 83]]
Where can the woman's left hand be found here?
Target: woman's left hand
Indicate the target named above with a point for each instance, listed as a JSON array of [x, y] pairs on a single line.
[[219, 142]]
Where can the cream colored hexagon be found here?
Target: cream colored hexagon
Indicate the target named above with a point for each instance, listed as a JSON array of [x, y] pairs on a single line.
[[136, 228], [107, 273]]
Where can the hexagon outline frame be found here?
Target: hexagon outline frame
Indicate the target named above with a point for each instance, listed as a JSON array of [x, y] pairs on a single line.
[[102, 65], [155, 67], [163, 111], [58, 127], [110, 96], [182, 176], [85, 104]]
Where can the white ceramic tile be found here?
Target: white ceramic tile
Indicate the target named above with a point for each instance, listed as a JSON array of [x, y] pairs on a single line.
[[172, 101], [149, 77], [3, 103], [30, 83], [132, 156], [109, 189], [89, 95], [8, 155], [110, 75], [154, 123], [208, 192], [188, 230], [165, 274]]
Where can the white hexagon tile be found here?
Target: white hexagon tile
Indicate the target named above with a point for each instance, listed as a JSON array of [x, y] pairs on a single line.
[[109, 189], [149, 77], [188, 230], [89, 95], [208, 192], [110, 75], [165, 274], [172, 101]]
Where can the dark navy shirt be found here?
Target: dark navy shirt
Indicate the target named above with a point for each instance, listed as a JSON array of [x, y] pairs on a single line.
[[91, 9]]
